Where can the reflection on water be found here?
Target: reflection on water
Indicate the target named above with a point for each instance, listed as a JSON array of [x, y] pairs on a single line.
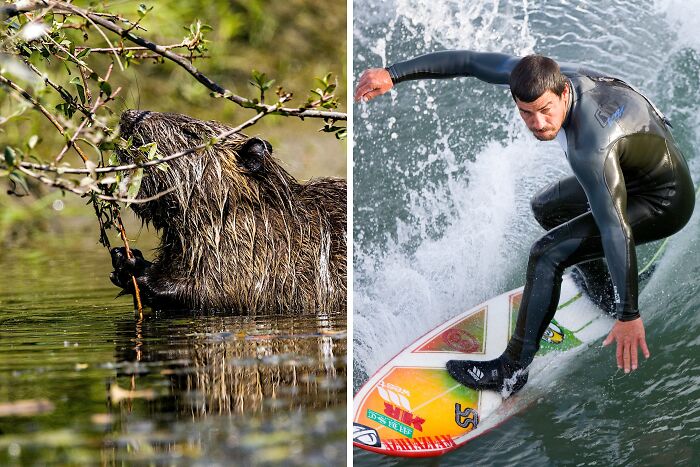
[[81, 380]]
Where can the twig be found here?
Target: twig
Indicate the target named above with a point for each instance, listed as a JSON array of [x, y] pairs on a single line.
[[127, 49], [98, 103], [43, 110], [18, 8], [130, 255], [62, 185], [64, 94], [87, 17], [182, 62], [199, 76], [120, 18], [121, 168]]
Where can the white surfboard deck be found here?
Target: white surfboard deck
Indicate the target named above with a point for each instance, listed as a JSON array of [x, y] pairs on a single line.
[[411, 407]]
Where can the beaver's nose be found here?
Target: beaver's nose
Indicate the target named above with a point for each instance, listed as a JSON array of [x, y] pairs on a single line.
[[131, 119]]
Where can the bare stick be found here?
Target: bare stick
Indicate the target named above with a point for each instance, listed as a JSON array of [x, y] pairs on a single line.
[[127, 49], [130, 255]]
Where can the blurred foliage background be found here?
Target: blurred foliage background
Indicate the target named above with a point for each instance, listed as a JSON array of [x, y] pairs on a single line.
[[292, 41]]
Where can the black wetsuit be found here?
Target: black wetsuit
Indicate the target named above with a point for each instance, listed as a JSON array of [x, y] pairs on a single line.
[[631, 185]]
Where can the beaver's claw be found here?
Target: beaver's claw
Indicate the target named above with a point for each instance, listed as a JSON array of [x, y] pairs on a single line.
[[125, 267]]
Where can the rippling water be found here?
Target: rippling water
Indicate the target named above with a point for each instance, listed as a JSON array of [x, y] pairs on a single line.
[[83, 381], [443, 173]]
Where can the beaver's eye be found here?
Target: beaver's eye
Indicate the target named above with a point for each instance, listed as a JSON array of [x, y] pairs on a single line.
[[190, 134]]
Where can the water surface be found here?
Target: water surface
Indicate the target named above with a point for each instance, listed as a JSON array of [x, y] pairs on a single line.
[[82, 380]]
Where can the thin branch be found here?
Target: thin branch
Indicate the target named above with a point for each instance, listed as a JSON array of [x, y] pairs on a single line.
[[43, 110], [130, 255], [122, 19], [121, 168], [10, 11], [63, 185], [199, 76], [182, 62], [126, 49], [85, 15], [65, 95]]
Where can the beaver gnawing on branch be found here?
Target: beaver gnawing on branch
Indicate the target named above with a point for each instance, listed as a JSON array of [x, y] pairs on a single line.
[[238, 232]]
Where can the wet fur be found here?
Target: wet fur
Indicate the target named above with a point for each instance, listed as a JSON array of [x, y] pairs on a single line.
[[237, 232]]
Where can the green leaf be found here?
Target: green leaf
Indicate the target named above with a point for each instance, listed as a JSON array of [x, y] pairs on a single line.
[[84, 53], [342, 134], [106, 88], [135, 183], [10, 156], [143, 10], [150, 149], [33, 141], [81, 91], [91, 166], [18, 177]]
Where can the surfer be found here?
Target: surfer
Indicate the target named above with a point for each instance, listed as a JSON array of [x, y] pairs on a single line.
[[631, 185]]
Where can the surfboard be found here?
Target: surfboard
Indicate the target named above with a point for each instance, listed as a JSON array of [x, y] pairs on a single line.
[[411, 407]]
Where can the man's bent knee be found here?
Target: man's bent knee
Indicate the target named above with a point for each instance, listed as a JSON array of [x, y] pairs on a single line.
[[543, 204]]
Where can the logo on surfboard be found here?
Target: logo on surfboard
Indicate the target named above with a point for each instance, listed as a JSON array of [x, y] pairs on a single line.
[[553, 334], [467, 418], [461, 341], [365, 435], [394, 395]]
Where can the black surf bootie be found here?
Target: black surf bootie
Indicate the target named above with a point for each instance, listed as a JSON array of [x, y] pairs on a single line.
[[500, 375]]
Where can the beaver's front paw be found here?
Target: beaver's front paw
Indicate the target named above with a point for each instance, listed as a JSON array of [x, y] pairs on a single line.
[[125, 267]]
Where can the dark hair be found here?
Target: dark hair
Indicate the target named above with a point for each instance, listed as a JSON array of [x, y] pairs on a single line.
[[533, 76]]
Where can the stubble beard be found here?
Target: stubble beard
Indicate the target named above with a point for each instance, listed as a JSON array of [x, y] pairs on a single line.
[[547, 136]]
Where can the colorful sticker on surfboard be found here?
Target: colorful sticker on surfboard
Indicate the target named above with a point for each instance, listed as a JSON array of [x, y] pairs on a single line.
[[429, 417], [556, 336], [466, 336]]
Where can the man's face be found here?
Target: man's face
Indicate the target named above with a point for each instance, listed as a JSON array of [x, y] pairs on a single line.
[[545, 115]]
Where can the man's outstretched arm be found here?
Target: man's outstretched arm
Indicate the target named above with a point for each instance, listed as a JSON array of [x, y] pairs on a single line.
[[490, 67]]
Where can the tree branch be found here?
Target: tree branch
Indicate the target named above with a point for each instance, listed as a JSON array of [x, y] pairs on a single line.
[[43, 110], [184, 63], [121, 168], [63, 185]]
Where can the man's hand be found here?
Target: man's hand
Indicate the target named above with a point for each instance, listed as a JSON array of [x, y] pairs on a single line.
[[629, 335], [373, 82]]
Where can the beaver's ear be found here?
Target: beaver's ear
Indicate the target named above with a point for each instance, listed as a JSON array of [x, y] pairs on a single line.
[[253, 152]]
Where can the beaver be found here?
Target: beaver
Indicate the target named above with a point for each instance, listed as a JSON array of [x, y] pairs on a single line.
[[238, 232]]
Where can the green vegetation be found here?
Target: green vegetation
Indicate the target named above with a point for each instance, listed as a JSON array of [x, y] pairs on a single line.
[[293, 44]]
